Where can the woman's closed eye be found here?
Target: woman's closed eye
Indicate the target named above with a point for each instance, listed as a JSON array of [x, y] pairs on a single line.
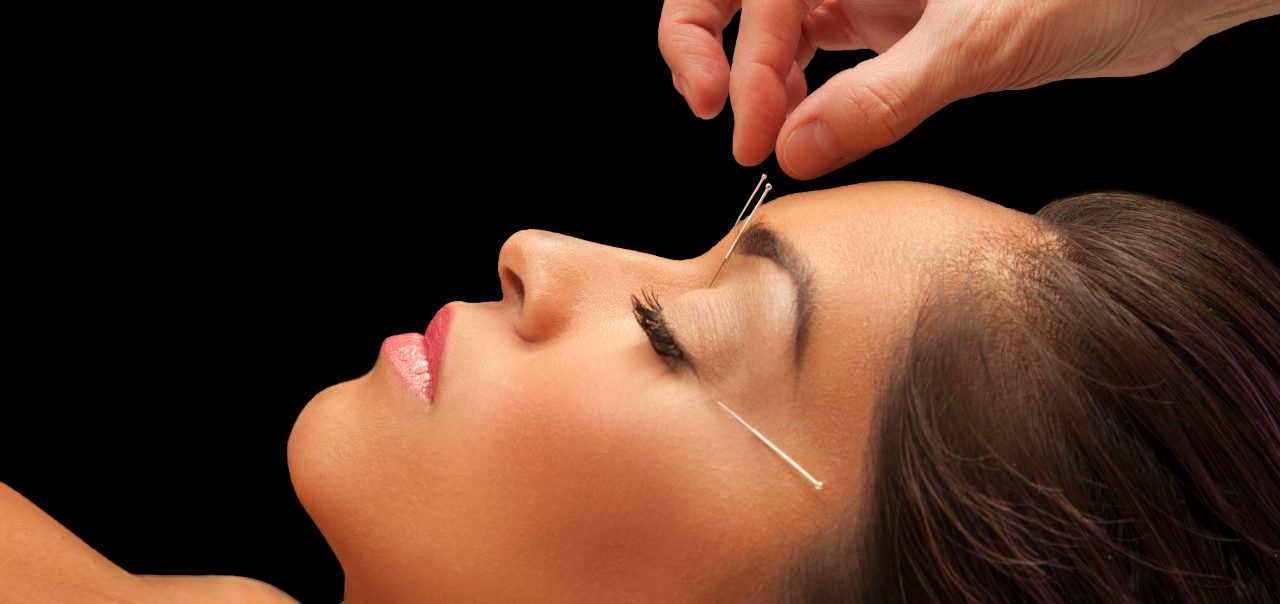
[[648, 313]]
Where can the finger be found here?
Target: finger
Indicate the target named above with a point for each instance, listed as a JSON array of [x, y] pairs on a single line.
[[797, 87], [824, 28], [766, 49], [877, 23], [689, 36], [797, 83], [828, 27], [873, 104]]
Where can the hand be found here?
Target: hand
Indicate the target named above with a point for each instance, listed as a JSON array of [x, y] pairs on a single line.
[[927, 57]]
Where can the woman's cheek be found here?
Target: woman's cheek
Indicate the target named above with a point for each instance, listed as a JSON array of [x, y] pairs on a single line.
[[585, 461]]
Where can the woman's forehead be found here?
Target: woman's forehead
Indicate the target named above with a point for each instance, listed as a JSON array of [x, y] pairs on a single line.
[[915, 219], [869, 247]]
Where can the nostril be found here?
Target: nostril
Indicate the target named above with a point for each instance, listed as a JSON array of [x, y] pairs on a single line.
[[512, 280]]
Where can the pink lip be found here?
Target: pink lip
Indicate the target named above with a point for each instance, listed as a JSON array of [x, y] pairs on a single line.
[[419, 358]]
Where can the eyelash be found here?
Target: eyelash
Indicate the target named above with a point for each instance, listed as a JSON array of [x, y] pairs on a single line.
[[648, 313]]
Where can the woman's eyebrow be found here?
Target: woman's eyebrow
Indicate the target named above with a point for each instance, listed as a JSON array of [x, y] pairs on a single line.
[[761, 241]]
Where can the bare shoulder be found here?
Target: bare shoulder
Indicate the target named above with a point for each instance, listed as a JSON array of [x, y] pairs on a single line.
[[41, 561], [214, 589]]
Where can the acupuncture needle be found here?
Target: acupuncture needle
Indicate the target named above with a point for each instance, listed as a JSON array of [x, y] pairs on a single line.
[[817, 484], [767, 188]]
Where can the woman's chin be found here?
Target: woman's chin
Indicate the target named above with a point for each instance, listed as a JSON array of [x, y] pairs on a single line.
[[322, 453], [343, 457]]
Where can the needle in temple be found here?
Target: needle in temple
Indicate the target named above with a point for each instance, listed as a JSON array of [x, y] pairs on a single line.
[[767, 188], [817, 484]]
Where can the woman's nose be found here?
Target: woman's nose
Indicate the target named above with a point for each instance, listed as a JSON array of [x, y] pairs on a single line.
[[545, 279]]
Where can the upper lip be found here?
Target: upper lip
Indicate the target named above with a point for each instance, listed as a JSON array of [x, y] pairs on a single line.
[[442, 322]]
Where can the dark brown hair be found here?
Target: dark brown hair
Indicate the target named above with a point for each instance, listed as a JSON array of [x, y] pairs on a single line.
[[1088, 416]]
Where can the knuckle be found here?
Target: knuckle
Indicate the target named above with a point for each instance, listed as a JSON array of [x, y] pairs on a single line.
[[667, 36], [673, 34], [880, 109], [688, 46], [766, 67]]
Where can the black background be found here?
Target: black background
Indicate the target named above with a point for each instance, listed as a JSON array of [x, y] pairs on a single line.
[[221, 216]]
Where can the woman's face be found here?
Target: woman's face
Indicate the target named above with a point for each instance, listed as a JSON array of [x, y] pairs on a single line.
[[562, 459]]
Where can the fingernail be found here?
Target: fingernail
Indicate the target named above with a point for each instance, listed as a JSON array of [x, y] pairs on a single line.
[[812, 150], [682, 86]]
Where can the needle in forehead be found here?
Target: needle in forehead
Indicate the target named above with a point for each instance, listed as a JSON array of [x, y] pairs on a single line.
[[817, 484], [767, 188], [750, 197]]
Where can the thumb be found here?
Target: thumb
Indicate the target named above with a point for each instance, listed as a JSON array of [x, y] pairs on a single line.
[[873, 104]]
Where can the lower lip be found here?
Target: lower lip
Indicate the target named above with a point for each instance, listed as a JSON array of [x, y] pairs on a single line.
[[418, 358]]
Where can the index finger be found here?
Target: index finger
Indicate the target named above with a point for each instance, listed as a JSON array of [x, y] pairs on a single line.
[[767, 42], [689, 36]]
